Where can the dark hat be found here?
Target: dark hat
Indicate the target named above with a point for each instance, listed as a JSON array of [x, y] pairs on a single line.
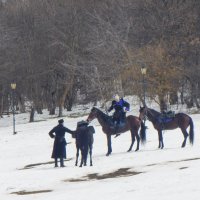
[[60, 121]]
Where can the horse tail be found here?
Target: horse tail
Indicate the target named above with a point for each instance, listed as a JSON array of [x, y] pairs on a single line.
[[143, 133], [191, 133]]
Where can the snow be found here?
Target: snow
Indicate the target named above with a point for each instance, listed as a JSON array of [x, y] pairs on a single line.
[[171, 173]]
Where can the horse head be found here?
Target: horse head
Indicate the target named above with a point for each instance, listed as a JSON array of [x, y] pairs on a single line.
[[101, 116], [92, 115], [143, 112]]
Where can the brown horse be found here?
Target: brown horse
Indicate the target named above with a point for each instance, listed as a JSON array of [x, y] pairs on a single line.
[[180, 120], [132, 123]]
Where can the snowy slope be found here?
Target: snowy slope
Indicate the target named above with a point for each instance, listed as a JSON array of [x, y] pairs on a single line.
[[172, 173]]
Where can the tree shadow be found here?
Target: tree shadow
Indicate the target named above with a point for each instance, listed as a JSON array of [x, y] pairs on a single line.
[[123, 172], [24, 192], [30, 166]]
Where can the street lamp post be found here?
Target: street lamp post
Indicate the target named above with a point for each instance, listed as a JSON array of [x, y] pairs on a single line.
[[144, 71], [13, 87]]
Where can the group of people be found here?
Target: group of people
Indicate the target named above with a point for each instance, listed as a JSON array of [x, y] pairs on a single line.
[[58, 133]]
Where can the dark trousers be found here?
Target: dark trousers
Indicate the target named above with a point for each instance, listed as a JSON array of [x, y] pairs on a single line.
[[119, 116]]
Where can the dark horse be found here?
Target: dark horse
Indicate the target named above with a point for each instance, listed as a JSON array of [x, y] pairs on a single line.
[[180, 120], [84, 143], [133, 124]]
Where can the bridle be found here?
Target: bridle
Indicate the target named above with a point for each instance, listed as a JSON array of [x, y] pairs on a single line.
[[94, 115], [147, 110], [145, 115]]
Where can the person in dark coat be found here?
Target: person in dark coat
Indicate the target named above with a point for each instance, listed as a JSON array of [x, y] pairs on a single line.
[[59, 147], [121, 107]]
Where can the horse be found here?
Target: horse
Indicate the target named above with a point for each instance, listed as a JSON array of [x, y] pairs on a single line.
[[180, 120], [84, 143], [132, 123]]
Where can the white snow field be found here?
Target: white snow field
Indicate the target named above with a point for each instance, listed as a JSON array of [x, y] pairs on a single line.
[[169, 174]]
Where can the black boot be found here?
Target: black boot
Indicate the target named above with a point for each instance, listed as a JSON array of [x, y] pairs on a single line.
[[116, 129], [62, 162], [56, 162]]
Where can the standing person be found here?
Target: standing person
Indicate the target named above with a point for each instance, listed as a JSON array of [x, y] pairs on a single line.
[[121, 107], [59, 147]]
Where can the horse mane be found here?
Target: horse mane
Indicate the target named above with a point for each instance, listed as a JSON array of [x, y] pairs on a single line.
[[154, 112], [103, 115]]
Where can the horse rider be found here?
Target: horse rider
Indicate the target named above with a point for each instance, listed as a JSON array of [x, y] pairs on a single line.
[[121, 107], [59, 147]]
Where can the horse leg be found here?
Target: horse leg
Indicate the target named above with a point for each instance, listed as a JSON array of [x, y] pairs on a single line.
[[77, 155], [90, 152], [85, 155], [138, 141], [160, 138], [185, 134], [132, 141], [109, 144]]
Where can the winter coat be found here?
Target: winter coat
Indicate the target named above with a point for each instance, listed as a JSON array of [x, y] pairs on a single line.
[[59, 147], [119, 106], [119, 114]]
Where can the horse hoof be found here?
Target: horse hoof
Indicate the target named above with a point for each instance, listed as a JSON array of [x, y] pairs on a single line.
[[136, 149], [117, 135], [183, 145]]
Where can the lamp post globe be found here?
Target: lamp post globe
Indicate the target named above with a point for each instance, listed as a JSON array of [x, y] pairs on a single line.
[[13, 86], [144, 72]]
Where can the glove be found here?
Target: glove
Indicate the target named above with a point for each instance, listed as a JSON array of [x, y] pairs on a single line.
[[125, 110]]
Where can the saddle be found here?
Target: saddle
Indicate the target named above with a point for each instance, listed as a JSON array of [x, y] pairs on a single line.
[[166, 117], [118, 126]]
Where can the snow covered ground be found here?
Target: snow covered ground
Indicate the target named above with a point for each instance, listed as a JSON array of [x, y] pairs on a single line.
[[172, 173]]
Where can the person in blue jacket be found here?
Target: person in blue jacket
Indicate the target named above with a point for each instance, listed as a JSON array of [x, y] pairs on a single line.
[[121, 107], [59, 147]]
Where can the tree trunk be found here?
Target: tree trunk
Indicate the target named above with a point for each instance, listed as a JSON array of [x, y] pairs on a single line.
[[52, 111], [70, 99], [63, 98], [173, 98], [163, 104], [32, 113], [60, 113], [52, 105], [39, 110], [1, 107]]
